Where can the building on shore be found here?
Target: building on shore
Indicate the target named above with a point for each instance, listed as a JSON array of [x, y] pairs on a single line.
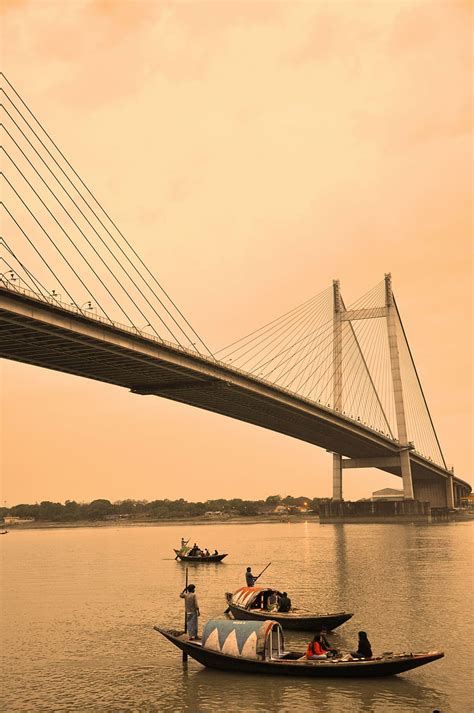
[[11, 520], [387, 494], [467, 502]]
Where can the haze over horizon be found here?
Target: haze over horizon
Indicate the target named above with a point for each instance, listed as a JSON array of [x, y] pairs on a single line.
[[251, 152]]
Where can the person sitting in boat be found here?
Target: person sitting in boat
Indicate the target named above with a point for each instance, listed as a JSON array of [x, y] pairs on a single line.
[[249, 578], [315, 649], [215, 553], [206, 553], [191, 607], [364, 649], [194, 552], [285, 603], [272, 602], [325, 643]]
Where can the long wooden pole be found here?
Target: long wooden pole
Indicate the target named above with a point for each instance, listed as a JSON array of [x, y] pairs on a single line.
[[263, 570], [185, 655]]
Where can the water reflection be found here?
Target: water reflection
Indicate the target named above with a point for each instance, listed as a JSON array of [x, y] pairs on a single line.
[[217, 691], [340, 557]]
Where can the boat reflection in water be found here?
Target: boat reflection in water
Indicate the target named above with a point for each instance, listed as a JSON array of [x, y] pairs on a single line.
[[259, 647], [253, 603]]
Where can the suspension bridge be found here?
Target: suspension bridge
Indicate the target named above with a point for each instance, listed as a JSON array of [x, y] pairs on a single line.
[[74, 294]]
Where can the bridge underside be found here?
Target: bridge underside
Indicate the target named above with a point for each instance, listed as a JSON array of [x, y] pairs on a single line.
[[61, 350], [44, 335]]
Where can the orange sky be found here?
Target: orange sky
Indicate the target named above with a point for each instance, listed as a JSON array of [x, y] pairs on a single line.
[[251, 152]]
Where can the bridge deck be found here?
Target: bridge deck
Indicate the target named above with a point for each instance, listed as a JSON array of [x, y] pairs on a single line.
[[47, 335]]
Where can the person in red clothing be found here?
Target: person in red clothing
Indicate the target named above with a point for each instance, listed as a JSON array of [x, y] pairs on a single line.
[[315, 649]]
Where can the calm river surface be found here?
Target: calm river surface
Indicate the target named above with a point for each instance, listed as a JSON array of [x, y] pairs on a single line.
[[79, 605]]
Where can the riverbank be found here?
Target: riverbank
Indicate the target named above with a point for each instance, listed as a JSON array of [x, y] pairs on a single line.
[[196, 521]]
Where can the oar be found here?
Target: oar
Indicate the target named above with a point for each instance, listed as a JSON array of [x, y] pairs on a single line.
[[185, 655]]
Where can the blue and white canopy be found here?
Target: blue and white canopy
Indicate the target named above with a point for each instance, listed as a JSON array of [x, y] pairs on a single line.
[[246, 639]]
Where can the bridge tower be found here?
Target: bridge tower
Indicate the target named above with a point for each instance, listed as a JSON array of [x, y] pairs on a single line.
[[389, 312], [337, 384]]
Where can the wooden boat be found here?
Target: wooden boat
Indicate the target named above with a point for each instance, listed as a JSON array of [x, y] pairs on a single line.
[[200, 560], [4, 532], [258, 647], [252, 603]]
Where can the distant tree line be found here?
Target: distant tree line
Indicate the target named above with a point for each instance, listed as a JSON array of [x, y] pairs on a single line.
[[103, 509]]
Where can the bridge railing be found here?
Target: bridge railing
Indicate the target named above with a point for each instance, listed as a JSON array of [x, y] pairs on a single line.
[[90, 314]]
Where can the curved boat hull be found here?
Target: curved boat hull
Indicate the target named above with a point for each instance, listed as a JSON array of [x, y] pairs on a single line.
[[200, 560], [310, 622], [370, 668]]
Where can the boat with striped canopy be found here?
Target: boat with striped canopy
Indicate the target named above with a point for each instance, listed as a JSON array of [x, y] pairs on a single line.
[[253, 603], [259, 647]]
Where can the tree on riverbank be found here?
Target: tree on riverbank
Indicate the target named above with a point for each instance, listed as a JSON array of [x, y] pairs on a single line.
[[102, 509]]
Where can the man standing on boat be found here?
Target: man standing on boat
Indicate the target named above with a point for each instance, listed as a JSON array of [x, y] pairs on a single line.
[[191, 607], [249, 578]]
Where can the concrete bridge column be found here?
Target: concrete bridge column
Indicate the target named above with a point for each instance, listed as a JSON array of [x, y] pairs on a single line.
[[450, 492], [405, 467], [336, 477], [457, 496]]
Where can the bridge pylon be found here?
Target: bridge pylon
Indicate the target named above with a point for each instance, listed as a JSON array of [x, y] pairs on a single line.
[[402, 460], [391, 314], [337, 384]]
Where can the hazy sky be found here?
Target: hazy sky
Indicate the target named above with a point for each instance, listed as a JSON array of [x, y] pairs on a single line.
[[251, 152]]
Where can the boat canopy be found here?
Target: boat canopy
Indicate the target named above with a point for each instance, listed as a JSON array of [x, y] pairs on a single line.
[[246, 639], [246, 596]]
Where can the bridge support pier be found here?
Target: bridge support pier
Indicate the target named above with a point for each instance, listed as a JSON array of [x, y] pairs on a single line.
[[450, 492], [336, 477], [405, 467], [459, 492]]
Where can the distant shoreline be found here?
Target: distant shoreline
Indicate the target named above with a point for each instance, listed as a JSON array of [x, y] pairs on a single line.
[[196, 521], [251, 520]]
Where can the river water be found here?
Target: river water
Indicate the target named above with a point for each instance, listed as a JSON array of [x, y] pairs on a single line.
[[79, 605]]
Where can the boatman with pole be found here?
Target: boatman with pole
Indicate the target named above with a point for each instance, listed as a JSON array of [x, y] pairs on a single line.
[[191, 608], [250, 578], [185, 655]]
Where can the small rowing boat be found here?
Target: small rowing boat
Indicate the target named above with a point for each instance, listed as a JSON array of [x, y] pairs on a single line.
[[259, 647], [253, 603], [199, 559]]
